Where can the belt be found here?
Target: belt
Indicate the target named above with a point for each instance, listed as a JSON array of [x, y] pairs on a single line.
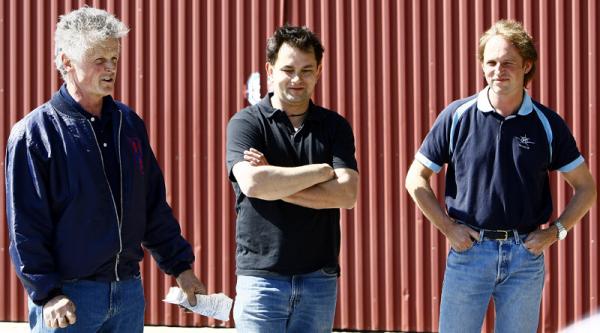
[[498, 234]]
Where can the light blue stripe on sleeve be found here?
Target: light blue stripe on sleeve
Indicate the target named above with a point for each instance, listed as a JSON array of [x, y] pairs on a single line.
[[547, 128], [455, 118], [427, 162], [569, 167]]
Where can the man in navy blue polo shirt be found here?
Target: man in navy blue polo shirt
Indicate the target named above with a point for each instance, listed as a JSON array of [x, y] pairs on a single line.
[[499, 146], [292, 167]]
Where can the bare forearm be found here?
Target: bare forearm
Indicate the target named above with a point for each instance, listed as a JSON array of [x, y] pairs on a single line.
[[578, 206], [585, 196], [417, 183], [325, 195], [340, 192], [272, 183], [425, 199], [584, 186], [540, 239], [420, 190]]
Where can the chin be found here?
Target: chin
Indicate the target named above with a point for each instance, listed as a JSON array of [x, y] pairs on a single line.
[[296, 98], [106, 92], [499, 86]]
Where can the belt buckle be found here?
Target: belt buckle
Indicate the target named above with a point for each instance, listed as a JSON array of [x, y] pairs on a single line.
[[505, 235]]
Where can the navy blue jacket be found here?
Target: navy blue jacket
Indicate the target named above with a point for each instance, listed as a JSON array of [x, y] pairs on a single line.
[[62, 218]]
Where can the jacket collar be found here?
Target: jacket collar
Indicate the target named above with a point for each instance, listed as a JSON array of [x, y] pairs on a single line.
[[63, 102]]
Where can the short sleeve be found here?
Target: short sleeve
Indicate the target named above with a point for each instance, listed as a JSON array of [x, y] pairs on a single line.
[[565, 155], [243, 133], [343, 146], [435, 149]]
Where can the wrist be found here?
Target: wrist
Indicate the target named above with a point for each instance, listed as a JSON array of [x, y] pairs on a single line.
[[180, 268], [447, 225], [561, 230], [51, 294]]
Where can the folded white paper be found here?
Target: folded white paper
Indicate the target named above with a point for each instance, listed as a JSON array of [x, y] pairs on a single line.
[[215, 305]]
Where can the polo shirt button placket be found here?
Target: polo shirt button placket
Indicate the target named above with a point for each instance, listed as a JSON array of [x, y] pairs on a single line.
[[500, 130]]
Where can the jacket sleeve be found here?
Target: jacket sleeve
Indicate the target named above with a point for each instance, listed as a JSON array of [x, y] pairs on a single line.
[[163, 235], [29, 217]]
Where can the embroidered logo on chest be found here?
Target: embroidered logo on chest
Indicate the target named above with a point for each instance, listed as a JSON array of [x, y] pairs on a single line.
[[524, 142]]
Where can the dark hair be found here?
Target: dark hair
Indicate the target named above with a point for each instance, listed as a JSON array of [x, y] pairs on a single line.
[[299, 37]]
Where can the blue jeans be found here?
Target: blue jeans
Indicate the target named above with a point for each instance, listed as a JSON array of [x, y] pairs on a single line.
[[295, 304], [100, 307], [504, 270]]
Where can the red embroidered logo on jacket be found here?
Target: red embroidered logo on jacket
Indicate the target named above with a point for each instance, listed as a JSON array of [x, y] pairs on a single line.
[[136, 149]]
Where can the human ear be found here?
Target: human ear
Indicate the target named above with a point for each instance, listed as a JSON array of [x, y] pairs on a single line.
[[527, 66], [66, 61], [269, 68]]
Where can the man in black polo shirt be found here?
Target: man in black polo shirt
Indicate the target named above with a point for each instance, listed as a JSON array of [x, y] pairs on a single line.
[[499, 145], [292, 166]]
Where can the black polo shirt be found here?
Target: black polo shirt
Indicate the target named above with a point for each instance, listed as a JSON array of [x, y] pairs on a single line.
[[276, 237]]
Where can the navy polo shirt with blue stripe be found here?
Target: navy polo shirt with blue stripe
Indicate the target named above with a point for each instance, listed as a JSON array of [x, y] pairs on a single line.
[[497, 175]]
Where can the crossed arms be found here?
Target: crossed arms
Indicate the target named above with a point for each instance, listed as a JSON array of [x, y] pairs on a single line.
[[316, 186]]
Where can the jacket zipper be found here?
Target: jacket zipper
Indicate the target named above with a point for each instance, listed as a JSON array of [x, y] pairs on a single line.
[[110, 190], [121, 191]]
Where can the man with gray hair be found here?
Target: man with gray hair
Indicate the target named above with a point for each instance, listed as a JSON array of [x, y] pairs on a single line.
[[84, 191]]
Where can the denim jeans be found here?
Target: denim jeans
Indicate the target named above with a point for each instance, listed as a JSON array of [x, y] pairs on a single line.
[[294, 304], [100, 307], [504, 270]]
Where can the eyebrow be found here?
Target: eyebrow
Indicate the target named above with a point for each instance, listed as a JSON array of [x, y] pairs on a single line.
[[290, 66], [502, 58]]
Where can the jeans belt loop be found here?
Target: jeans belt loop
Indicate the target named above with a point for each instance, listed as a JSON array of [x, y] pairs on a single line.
[[516, 236], [481, 232]]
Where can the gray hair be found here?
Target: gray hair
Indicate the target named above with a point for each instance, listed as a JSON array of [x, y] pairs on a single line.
[[81, 29]]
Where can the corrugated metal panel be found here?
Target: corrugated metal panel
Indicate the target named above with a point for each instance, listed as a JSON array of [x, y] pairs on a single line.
[[389, 68]]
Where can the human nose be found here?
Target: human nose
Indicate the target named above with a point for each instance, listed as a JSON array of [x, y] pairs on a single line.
[[494, 70], [110, 65], [499, 68]]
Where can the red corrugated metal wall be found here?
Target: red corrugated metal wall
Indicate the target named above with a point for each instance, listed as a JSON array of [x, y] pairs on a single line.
[[389, 68]]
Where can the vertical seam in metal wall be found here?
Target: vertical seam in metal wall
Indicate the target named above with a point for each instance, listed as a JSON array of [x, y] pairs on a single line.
[[390, 67]]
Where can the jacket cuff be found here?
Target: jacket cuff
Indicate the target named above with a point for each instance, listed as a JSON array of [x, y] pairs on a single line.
[[180, 268], [53, 293]]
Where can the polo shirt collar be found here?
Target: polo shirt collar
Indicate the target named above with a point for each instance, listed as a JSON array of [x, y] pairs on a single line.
[[483, 103], [314, 113]]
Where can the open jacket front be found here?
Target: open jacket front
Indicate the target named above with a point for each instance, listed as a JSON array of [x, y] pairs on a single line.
[[63, 219]]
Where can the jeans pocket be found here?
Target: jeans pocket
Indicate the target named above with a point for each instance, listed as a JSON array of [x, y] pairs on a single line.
[[475, 243], [531, 254]]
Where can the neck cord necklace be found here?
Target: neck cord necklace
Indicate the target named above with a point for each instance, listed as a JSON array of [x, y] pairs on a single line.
[[298, 115], [515, 111]]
